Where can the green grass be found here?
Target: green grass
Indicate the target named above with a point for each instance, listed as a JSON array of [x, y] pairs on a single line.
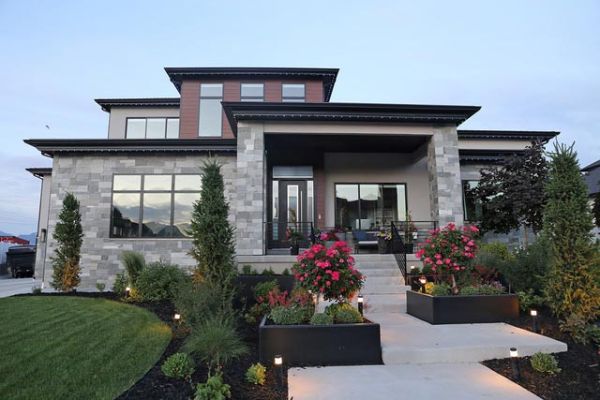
[[75, 348]]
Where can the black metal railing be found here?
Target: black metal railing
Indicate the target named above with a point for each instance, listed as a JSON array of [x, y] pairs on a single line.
[[414, 233], [277, 234]]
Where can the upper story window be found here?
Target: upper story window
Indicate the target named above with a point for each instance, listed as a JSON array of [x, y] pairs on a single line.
[[152, 128], [293, 92], [252, 92], [211, 113]]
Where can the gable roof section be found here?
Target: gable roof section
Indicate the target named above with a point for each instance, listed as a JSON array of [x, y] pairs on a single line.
[[506, 135], [347, 112], [327, 75], [592, 166], [107, 104]]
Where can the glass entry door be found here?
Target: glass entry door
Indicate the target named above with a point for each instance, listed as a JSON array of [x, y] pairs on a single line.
[[292, 204]]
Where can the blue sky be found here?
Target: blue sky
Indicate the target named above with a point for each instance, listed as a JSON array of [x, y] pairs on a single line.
[[529, 64]]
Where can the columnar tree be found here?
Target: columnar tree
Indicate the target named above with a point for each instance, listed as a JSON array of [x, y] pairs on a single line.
[[596, 209], [570, 286], [213, 235], [69, 236], [512, 193]]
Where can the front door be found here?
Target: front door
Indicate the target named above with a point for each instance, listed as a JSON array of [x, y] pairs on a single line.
[[291, 210]]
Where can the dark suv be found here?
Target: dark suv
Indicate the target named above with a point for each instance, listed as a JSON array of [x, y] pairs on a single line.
[[20, 260]]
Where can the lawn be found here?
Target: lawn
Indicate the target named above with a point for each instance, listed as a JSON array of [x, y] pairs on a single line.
[[54, 347]]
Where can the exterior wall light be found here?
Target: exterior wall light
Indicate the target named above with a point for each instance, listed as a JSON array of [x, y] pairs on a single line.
[[514, 364], [534, 321], [360, 303]]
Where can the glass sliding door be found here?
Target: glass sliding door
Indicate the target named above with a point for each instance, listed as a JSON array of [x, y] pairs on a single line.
[[346, 206]]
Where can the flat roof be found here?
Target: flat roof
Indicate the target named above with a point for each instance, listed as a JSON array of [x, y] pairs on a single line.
[[350, 112], [326, 75], [506, 134], [39, 172], [107, 104]]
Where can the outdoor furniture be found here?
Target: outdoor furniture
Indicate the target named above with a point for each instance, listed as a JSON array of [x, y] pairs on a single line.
[[364, 239]]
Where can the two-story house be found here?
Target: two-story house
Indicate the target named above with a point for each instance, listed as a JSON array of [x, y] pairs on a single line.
[[290, 158]]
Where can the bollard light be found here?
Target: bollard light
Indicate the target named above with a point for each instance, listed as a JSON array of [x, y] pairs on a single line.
[[534, 321], [360, 303], [278, 362], [514, 364], [177, 317], [423, 282], [127, 291]]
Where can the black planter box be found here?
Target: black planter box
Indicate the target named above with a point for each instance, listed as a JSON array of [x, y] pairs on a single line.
[[247, 282], [462, 309], [315, 345]]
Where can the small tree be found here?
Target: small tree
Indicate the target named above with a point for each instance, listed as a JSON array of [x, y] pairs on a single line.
[[213, 235], [512, 194], [68, 235], [596, 209], [570, 286]]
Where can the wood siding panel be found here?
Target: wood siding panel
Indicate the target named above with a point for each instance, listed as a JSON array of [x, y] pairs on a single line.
[[273, 91], [314, 92], [189, 109]]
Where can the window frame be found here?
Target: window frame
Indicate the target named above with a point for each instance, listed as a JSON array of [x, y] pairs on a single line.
[[141, 192], [252, 98], [293, 99], [464, 200], [146, 127], [204, 97]]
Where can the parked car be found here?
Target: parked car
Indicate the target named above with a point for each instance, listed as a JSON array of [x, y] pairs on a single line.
[[20, 261]]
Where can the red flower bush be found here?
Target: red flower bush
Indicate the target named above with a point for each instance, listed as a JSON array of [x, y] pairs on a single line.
[[329, 272], [448, 250]]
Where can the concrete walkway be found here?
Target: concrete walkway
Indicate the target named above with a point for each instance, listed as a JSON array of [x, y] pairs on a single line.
[[10, 286]]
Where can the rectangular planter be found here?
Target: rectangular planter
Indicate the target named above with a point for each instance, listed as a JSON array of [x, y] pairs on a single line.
[[315, 345], [462, 309]]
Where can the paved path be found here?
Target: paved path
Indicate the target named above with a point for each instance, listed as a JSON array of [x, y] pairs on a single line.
[[10, 286]]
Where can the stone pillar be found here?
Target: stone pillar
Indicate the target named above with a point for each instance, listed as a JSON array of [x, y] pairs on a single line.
[[250, 190], [445, 184]]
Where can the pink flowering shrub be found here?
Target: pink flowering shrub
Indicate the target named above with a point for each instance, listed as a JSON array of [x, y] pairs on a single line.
[[329, 272], [328, 236], [449, 250]]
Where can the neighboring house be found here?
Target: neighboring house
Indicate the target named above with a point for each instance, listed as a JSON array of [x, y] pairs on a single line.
[[289, 156], [591, 174], [8, 241]]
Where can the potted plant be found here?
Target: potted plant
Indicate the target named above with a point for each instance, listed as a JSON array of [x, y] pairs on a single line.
[[294, 237], [328, 238], [384, 241]]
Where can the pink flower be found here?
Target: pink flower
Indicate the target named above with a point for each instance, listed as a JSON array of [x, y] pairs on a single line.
[[328, 283], [335, 276], [439, 262]]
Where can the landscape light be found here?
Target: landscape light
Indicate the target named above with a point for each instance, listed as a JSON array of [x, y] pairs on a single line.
[[360, 303], [278, 361], [514, 364], [177, 317], [423, 282], [127, 291], [534, 321]]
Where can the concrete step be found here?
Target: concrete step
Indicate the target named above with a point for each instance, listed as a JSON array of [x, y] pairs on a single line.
[[385, 303], [384, 280], [379, 272], [383, 289]]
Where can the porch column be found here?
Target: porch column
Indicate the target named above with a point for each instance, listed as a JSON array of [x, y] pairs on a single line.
[[443, 165], [250, 189]]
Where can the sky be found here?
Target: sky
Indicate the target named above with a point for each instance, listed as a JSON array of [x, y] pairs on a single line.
[[531, 65]]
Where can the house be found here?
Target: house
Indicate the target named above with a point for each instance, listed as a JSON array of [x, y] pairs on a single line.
[[290, 158], [591, 175]]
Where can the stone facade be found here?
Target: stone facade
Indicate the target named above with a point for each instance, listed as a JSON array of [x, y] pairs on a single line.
[[443, 165], [89, 178]]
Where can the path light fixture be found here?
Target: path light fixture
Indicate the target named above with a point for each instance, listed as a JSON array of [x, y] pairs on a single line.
[[534, 321], [278, 362], [360, 303], [177, 318], [127, 291], [423, 282], [412, 268], [514, 364]]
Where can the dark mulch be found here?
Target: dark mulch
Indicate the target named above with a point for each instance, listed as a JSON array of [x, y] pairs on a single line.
[[155, 385], [580, 375]]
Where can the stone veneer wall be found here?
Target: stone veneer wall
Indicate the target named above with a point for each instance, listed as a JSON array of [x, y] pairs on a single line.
[[443, 166], [89, 178]]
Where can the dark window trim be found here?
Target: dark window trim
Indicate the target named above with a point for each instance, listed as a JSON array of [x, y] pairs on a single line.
[[252, 98], [464, 200], [141, 192], [367, 183], [203, 97], [146, 125], [294, 99]]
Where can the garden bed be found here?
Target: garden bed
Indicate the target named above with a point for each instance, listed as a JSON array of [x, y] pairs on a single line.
[[248, 282], [462, 309], [580, 375], [320, 345]]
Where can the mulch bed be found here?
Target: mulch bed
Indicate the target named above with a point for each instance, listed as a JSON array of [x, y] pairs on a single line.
[[580, 375], [155, 385]]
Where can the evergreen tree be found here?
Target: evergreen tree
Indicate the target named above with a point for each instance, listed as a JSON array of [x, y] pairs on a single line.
[[570, 286], [69, 236], [213, 235], [596, 209]]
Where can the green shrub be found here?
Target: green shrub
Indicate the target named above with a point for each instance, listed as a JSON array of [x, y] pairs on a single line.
[[178, 366], [580, 330], [213, 389], [529, 300], [215, 342], [36, 290], [286, 272], [197, 302], [120, 284], [262, 289], [426, 270], [100, 286], [159, 281], [440, 289], [544, 363], [498, 249], [248, 269], [269, 272], [343, 313], [288, 315], [256, 374], [321, 319], [134, 264], [469, 291]]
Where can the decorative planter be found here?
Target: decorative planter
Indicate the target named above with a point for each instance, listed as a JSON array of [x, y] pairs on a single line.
[[295, 249], [247, 282], [383, 246], [314, 345], [462, 309]]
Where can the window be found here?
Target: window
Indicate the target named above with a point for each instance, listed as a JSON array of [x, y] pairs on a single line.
[[369, 206], [156, 206], [252, 92], [292, 92], [152, 128], [211, 95], [472, 206]]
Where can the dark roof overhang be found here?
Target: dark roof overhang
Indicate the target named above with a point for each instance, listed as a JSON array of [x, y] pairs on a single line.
[[326, 75], [472, 156], [39, 172], [347, 112], [592, 166], [506, 135], [107, 104], [49, 147]]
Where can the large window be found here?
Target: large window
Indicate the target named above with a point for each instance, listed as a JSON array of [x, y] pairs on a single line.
[[252, 92], [153, 206], [472, 206], [152, 128], [369, 206], [211, 113], [293, 92]]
